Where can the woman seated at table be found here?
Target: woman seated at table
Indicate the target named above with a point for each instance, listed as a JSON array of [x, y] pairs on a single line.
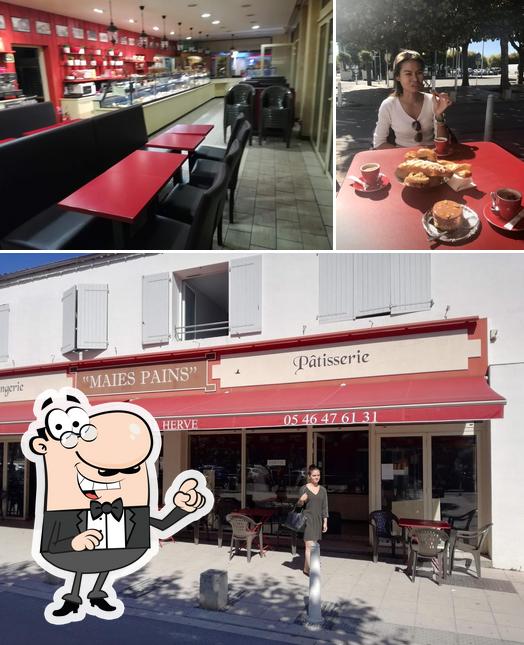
[[415, 117]]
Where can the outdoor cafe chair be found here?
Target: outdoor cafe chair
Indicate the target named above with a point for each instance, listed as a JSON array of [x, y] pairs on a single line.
[[461, 522], [384, 525], [470, 542], [244, 530], [428, 544]]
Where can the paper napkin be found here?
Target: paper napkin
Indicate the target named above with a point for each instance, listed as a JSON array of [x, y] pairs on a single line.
[[513, 222], [458, 183]]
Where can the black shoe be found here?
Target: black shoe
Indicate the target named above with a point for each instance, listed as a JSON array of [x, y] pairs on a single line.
[[68, 607], [102, 604]]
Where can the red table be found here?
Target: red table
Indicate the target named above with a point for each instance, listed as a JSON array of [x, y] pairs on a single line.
[[174, 141], [391, 218], [407, 523], [123, 191], [50, 127], [191, 129]]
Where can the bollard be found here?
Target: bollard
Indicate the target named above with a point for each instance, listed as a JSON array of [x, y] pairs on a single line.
[[213, 589], [314, 613], [339, 94], [488, 125]]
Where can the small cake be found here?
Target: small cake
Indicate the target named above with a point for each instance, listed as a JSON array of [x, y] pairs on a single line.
[[447, 215]]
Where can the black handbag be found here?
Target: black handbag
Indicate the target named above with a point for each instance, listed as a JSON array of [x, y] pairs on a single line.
[[296, 520]]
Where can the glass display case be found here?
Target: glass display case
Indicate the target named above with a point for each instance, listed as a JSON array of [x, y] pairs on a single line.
[[143, 89]]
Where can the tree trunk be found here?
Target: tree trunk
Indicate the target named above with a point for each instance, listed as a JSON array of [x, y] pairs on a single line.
[[521, 65], [368, 73], [465, 73], [504, 71]]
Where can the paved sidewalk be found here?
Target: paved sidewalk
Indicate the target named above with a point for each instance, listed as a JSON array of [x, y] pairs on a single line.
[[363, 603], [356, 118]]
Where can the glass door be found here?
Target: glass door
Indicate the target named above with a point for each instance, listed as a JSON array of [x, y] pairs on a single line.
[[15, 481], [323, 115], [401, 476]]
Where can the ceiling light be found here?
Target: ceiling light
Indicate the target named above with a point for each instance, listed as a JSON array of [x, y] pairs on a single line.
[[215, 22], [171, 33], [112, 29], [156, 28], [205, 15], [188, 37], [132, 21], [164, 43], [98, 10], [255, 27], [142, 39]]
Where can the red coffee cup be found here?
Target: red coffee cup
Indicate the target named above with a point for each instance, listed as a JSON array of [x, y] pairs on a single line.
[[441, 145], [370, 173], [506, 202]]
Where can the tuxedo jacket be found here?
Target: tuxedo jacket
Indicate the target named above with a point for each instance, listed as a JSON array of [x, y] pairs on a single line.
[[60, 527]]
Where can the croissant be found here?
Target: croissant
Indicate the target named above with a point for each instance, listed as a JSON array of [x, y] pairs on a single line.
[[428, 168], [416, 179], [422, 153]]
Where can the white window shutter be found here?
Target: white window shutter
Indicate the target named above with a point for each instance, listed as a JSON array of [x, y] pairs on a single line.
[[336, 271], [69, 320], [91, 328], [410, 282], [155, 309], [245, 295], [4, 332], [372, 284]]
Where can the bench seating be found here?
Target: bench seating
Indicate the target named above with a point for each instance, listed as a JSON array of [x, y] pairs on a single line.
[[42, 169], [17, 120]]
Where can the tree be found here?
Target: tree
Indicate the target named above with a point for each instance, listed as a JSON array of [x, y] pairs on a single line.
[[344, 60], [366, 58]]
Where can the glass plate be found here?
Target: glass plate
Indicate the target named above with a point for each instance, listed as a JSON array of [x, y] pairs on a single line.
[[467, 230]]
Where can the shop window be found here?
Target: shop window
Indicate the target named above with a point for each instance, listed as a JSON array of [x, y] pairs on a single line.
[[362, 285], [218, 458], [4, 332], [84, 322], [220, 300]]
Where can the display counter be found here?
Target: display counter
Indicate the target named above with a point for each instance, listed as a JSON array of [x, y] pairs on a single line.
[[160, 107]]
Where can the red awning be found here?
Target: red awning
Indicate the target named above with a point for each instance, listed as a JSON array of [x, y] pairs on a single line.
[[408, 401], [15, 417]]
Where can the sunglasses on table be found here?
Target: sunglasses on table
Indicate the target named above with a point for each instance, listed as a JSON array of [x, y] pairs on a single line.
[[416, 126]]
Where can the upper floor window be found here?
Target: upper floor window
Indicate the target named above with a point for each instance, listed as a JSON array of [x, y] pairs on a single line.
[[360, 285], [224, 299], [4, 332]]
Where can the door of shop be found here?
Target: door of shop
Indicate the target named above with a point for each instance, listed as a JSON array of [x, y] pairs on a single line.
[[342, 456], [428, 475]]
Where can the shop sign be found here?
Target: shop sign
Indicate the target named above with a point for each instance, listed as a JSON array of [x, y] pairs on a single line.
[[446, 351], [26, 388], [144, 378]]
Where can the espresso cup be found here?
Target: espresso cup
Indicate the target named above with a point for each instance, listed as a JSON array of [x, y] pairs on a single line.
[[441, 145], [370, 173], [506, 202]]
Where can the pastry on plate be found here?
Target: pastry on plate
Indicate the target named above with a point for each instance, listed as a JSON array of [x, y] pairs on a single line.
[[422, 153], [447, 215], [416, 180], [428, 168]]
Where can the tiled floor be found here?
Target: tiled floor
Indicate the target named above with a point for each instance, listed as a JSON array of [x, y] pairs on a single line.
[[283, 201]]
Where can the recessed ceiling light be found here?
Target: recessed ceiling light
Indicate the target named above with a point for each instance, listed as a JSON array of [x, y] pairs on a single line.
[[205, 15], [255, 27], [249, 15], [193, 4], [156, 28], [215, 22], [98, 10], [132, 20], [245, 5], [188, 37], [171, 33]]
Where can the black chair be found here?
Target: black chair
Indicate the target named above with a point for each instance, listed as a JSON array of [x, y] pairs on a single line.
[[204, 170], [168, 233], [276, 112], [384, 525], [461, 522], [238, 100], [213, 152]]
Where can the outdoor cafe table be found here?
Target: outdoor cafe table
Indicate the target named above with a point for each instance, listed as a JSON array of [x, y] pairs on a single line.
[[123, 192], [191, 128], [392, 218]]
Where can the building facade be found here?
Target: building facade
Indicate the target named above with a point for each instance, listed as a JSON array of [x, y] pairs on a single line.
[[399, 374]]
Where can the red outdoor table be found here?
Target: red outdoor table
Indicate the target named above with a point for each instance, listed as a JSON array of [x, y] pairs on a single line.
[[174, 141], [123, 191], [391, 218], [407, 523], [194, 128], [50, 127]]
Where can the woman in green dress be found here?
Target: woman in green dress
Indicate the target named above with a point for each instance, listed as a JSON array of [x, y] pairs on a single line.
[[314, 499]]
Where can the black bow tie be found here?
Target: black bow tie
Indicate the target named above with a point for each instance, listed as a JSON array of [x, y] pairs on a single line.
[[116, 509]]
